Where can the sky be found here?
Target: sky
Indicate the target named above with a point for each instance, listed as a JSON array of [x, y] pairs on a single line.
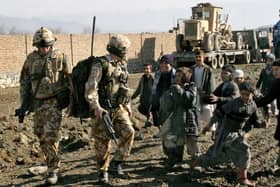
[[138, 16]]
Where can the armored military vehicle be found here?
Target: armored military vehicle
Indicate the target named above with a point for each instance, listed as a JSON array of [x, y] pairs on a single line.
[[258, 41], [207, 29]]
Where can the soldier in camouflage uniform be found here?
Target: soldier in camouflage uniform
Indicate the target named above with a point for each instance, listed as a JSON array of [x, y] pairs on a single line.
[[44, 76], [106, 91]]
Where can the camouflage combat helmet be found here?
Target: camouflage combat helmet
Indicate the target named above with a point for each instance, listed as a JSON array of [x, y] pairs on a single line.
[[118, 45], [43, 38]]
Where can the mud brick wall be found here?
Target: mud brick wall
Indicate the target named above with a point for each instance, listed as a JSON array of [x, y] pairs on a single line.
[[145, 47]]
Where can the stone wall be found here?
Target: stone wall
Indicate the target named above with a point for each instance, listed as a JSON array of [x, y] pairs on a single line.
[[145, 47]]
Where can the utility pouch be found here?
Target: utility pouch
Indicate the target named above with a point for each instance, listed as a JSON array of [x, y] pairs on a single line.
[[123, 95]]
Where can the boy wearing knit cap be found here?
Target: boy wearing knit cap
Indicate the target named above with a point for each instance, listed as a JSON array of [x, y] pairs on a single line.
[[163, 79]]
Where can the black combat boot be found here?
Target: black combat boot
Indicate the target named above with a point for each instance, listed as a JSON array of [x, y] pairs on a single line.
[[52, 178], [120, 170], [116, 166], [103, 177]]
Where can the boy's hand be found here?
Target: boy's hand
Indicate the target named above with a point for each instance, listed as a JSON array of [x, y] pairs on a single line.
[[213, 98], [264, 124], [98, 111], [176, 88]]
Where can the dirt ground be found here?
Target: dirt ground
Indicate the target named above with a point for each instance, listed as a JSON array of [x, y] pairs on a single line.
[[19, 151]]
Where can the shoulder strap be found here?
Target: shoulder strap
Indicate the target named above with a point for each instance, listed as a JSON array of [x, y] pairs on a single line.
[[104, 63]]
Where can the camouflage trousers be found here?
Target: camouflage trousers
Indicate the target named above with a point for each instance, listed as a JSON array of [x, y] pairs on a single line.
[[124, 132], [47, 120]]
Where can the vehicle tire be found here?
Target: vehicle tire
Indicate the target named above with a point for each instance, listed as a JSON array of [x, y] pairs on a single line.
[[214, 63], [244, 58], [247, 57], [226, 60], [239, 41], [257, 56], [217, 42], [179, 42], [221, 61], [208, 42]]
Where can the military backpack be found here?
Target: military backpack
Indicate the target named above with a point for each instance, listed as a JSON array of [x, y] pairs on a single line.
[[80, 75]]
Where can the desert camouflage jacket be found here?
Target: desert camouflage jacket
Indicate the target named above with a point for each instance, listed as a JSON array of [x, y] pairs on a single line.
[[107, 86], [51, 72]]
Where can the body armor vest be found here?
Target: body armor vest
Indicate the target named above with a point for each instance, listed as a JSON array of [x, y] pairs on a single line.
[[47, 74], [112, 88]]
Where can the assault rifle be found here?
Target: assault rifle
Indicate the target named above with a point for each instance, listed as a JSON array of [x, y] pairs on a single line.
[[25, 108], [21, 113], [109, 126]]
